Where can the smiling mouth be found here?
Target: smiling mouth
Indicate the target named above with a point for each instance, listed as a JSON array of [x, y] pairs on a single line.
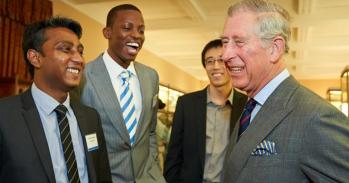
[[133, 45], [217, 74], [236, 69], [73, 70]]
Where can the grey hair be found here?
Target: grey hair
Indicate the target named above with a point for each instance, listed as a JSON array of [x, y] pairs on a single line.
[[272, 19]]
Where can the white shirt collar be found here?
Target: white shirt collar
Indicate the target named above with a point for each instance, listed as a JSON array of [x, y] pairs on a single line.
[[268, 89], [46, 102], [114, 68]]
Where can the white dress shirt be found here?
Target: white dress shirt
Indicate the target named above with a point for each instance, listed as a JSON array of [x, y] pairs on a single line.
[[114, 71]]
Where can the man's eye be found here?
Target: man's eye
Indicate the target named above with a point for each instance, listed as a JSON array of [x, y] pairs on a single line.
[[225, 41], [239, 43], [208, 62], [65, 49], [126, 28]]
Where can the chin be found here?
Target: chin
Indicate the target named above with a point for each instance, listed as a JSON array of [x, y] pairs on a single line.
[[239, 84], [72, 84]]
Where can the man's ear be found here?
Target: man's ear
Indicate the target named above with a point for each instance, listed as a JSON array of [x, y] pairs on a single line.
[[107, 32], [277, 48], [34, 58]]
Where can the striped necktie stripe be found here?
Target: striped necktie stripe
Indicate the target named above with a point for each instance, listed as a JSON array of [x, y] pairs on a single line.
[[127, 105]]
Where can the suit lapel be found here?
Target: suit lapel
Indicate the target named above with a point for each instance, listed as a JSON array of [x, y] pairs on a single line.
[[200, 104], [274, 110], [83, 127], [239, 101], [104, 90], [33, 121], [143, 79]]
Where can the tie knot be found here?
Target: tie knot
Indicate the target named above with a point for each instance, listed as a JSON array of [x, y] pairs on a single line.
[[61, 109], [251, 103], [125, 76]]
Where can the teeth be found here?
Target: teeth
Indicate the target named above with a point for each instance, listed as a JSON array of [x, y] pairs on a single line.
[[72, 70], [217, 74], [236, 69], [133, 44]]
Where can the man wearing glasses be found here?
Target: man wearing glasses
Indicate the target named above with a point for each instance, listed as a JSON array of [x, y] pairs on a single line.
[[202, 124]]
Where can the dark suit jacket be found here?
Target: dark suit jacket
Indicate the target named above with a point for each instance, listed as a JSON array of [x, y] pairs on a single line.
[[311, 139], [186, 153], [24, 152]]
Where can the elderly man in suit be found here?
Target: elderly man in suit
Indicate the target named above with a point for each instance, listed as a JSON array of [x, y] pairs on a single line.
[[286, 133], [43, 136], [125, 93], [202, 124]]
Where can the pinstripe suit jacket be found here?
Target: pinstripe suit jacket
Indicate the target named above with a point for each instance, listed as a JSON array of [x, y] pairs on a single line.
[[311, 141], [127, 163]]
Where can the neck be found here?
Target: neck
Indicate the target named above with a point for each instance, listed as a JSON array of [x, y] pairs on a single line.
[[122, 63], [219, 95], [55, 93], [276, 70]]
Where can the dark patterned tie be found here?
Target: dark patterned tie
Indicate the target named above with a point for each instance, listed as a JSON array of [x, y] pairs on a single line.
[[68, 150], [246, 115]]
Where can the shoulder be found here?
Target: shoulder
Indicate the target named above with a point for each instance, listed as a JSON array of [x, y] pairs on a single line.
[[94, 62], [11, 107], [83, 108], [8, 103], [309, 106], [145, 68], [201, 94]]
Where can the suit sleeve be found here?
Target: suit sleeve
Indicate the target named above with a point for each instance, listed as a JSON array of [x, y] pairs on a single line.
[[326, 144], [103, 167], [153, 141], [174, 159]]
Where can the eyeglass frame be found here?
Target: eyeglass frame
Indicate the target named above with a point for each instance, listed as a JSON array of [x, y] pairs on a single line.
[[210, 61]]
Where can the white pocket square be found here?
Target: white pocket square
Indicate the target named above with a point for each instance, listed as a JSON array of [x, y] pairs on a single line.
[[265, 148]]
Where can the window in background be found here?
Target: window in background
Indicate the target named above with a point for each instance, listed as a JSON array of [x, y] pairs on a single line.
[[334, 97], [344, 90]]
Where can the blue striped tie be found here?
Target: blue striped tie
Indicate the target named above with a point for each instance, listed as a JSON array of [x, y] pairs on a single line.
[[127, 105]]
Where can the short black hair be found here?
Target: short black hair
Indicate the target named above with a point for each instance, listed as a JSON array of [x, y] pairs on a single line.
[[112, 13], [216, 43], [34, 34]]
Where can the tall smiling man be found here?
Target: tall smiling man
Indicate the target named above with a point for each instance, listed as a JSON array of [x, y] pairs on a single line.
[[44, 137], [287, 133], [125, 93]]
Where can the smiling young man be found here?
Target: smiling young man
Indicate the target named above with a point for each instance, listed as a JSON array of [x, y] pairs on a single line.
[[43, 136], [202, 124], [125, 93]]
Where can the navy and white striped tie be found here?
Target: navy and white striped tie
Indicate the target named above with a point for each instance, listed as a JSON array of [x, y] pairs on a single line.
[[127, 105]]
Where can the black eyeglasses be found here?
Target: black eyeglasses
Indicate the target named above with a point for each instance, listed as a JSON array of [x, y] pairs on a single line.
[[211, 61]]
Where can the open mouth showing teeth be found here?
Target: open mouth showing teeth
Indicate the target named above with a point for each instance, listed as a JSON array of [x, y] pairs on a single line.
[[217, 74], [133, 45], [235, 69], [73, 70]]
